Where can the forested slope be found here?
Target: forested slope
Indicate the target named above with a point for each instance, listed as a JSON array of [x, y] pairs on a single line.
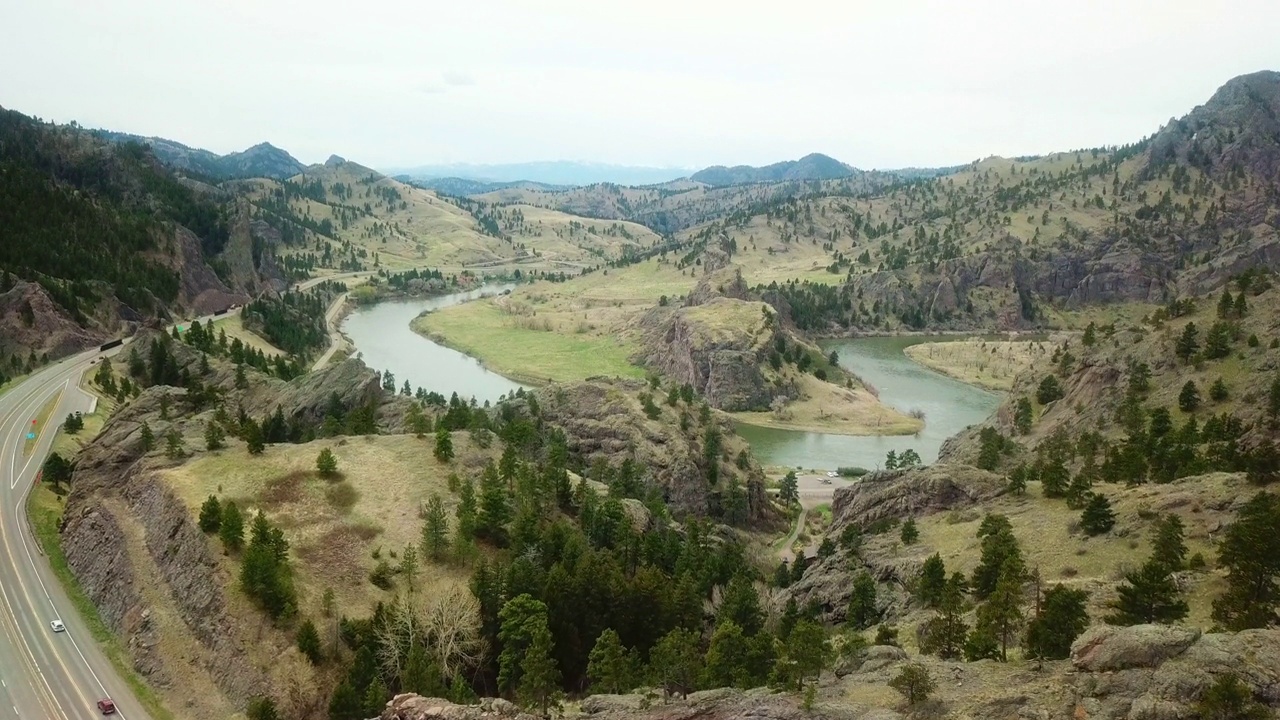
[[104, 231]]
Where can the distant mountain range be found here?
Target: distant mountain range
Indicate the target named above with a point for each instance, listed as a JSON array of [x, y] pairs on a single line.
[[261, 160], [814, 166], [559, 172], [461, 187]]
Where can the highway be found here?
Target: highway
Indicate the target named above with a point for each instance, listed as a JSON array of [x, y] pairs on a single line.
[[46, 675]]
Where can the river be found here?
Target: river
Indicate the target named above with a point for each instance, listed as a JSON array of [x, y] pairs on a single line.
[[382, 336]]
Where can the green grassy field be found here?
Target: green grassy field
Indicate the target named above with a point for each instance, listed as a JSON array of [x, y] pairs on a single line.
[[481, 330]]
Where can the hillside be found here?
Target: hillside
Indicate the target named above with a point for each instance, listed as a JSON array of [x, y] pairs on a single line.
[[675, 206], [814, 166], [261, 160], [136, 533], [107, 237]]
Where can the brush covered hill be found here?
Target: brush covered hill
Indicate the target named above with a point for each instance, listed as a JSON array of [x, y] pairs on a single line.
[[210, 637], [345, 216], [1009, 243], [671, 207], [1188, 388], [814, 166], [96, 237]]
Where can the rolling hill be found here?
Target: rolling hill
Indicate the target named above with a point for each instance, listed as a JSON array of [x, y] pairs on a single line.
[[814, 166]]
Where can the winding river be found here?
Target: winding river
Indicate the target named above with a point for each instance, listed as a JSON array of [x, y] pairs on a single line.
[[382, 336]]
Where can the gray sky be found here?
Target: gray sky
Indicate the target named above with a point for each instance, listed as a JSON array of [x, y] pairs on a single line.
[[876, 83]]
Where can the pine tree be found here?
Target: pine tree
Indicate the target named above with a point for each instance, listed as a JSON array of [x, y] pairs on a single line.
[[495, 508], [326, 463], [914, 683], [808, 651], [308, 639], [788, 490], [262, 708], [1097, 517], [1022, 416], [519, 618], [1148, 595], [435, 530], [1189, 398], [214, 437], [1187, 343], [444, 445], [1048, 390], [675, 662], [231, 529], [1061, 619], [1225, 304], [944, 635], [932, 581], [1001, 616], [210, 515], [1218, 391], [999, 548], [375, 698], [1168, 547], [1250, 551], [148, 439], [539, 676], [862, 612], [1018, 480], [608, 666], [173, 444], [252, 433], [726, 657], [909, 534], [1090, 335], [345, 703]]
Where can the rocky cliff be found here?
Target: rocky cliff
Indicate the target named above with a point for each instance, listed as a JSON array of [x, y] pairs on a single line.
[[140, 557], [604, 419], [718, 342]]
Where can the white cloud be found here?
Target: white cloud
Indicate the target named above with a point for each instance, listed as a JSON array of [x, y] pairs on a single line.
[[877, 83]]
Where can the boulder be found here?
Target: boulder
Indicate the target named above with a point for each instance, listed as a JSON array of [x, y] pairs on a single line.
[[912, 492], [1103, 647]]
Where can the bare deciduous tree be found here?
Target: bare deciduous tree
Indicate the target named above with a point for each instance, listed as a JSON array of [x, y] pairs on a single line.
[[452, 624]]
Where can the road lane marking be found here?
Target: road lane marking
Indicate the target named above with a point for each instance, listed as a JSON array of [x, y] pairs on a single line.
[[22, 537], [34, 399]]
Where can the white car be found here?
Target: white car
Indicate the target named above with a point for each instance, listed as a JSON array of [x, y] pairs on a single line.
[[832, 474], [57, 626]]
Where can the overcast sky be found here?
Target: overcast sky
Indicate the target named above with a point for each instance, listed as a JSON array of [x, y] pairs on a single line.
[[394, 83]]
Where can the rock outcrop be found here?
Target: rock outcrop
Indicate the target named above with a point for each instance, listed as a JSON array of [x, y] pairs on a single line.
[[603, 419], [1157, 672], [30, 321], [718, 342], [114, 496], [721, 704], [911, 493]]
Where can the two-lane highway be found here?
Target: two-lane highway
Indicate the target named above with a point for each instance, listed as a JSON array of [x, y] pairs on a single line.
[[47, 675]]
